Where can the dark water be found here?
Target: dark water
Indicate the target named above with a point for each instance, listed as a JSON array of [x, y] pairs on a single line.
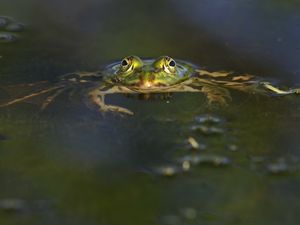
[[71, 165]]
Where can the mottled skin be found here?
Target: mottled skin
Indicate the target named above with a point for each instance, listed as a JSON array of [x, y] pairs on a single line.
[[133, 75]]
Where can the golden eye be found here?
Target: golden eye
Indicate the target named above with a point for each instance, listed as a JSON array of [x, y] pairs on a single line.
[[126, 65], [125, 62], [170, 65], [129, 64]]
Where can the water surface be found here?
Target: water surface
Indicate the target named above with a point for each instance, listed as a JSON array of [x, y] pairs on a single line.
[[71, 165]]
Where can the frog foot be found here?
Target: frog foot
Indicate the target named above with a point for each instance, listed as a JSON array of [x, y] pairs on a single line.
[[296, 91], [98, 98], [278, 91]]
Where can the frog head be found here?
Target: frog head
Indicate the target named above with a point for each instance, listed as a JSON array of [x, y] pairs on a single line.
[[148, 73]]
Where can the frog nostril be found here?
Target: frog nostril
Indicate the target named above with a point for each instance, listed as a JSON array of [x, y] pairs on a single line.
[[151, 77]]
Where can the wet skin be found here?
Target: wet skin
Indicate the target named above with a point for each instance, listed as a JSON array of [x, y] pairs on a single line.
[[133, 75], [164, 71]]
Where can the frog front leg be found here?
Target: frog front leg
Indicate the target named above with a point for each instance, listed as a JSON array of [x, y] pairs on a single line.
[[98, 97]]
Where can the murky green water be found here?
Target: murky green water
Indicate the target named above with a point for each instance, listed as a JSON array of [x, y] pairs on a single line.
[[70, 165]]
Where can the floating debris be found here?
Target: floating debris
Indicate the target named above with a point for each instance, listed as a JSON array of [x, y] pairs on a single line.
[[232, 147], [206, 159], [208, 119], [168, 171], [12, 205], [194, 145], [207, 130], [191, 144], [186, 165]]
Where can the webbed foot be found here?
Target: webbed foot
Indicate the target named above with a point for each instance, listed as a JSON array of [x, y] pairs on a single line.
[[278, 91], [296, 91], [97, 97]]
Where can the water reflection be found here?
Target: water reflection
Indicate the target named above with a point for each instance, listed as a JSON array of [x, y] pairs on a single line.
[[99, 170]]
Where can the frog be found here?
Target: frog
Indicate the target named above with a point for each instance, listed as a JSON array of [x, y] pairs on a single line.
[[133, 75]]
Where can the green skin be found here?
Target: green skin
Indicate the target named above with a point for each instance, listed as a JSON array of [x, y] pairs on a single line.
[[133, 75], [149, 73]]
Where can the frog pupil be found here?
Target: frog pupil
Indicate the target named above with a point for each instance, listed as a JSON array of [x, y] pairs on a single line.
[[172, 63], [124, 62]]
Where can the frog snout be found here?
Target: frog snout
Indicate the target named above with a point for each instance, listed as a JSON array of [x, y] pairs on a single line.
[[147, 80]]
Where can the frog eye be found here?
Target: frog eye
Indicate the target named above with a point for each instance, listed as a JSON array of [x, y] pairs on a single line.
[[126, 65], [130, 63], [170, 65], [124, 62]]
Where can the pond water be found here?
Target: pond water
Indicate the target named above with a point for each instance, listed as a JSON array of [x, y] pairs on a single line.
[[176, 161]]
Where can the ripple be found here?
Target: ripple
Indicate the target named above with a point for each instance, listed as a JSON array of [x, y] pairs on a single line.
[[8, 27], [15, 27], [208, 119], [12, 205], [206, 159], [208, 130], [17, 205], [4, 21], [7, 37], [278, 168]]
